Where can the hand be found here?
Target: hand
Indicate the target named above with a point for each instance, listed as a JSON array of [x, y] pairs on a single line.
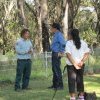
[[76, 65], [30, 51], [60, 54], [81, 64]]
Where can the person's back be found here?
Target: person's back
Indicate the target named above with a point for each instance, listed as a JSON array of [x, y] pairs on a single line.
[[58, 43], [77, 54]]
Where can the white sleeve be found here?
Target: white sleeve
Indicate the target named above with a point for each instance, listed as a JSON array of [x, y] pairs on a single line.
[[86, 48], [67, 48]]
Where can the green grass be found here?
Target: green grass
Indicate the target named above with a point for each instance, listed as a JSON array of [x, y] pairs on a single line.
[[41, 78], [39, 89]]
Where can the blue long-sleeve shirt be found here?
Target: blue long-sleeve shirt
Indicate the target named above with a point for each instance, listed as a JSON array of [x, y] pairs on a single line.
[[58, 42], [22, 47]]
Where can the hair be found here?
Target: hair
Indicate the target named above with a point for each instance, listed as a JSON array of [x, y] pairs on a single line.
[[23, 32], [76, 39], [57, 26]]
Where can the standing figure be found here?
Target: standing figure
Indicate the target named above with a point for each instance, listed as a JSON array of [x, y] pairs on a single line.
[[24, 51], [57, 47], [77, 52]]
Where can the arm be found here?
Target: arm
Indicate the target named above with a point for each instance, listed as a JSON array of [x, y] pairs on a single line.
[[20, 50], [31, 48], [86, 55], [69, 56], [62, 42], [86, 52], [72, 60], [31, 51]]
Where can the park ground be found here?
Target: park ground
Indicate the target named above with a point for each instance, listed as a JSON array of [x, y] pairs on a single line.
[[41, 78], [39, 89]]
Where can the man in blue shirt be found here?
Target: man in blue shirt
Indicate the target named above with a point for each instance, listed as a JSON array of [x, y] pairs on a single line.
[[24, 52], [57, 47]]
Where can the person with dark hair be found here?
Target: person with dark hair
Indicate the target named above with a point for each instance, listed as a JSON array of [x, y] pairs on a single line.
[[23, 32], [77, 52], [57, 47], [24, 50]]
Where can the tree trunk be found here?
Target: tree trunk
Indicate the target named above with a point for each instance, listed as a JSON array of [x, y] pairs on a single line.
[[98, 31], [65, 21], [72, 11], [4, 37], [21, 13], [37, 17], [38, 40], [45, 31], [45, 36], [98, 24], [70, 14]]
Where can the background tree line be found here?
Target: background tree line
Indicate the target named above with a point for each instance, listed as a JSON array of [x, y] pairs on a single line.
[[38, 15]]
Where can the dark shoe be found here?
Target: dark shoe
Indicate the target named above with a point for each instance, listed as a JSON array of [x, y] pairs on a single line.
[[17, 89], [58, 88], [51, 87]]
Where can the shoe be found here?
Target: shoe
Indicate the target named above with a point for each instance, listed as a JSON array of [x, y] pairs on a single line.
[[51, 87], [17, 89], [81, 98], [58, 88]]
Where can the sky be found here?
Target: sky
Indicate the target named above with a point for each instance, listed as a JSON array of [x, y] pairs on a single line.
[[87, 8], [81, 8], [29, 1]]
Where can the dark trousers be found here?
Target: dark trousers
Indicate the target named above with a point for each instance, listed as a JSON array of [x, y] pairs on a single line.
[[75, 79], [23, 72], [57, 75]]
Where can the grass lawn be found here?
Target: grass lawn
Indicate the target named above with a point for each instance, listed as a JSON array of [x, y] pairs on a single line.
[[39, 90], [39, 83]]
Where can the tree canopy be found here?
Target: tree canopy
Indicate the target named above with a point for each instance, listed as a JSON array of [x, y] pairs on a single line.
[[38, 15]]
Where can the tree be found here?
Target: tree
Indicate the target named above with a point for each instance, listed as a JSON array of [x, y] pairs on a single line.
[[85, 22], [42, 36], [45, 29], [5, 16], [72, 12], [96, 4], [64, 11], [38, 15], [65, 19], [21, 13]]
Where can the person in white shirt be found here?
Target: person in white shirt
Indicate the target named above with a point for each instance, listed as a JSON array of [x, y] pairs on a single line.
[[77, 53]]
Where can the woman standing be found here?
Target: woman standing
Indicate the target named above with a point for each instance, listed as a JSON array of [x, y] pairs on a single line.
[[77, 52]]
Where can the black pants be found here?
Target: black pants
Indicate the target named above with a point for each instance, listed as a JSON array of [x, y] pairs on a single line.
[[57, 74], [23, 73], [75, 79]]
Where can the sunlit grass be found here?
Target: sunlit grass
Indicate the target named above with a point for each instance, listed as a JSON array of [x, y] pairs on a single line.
[[41, 78], [39, 89], [92, 84]]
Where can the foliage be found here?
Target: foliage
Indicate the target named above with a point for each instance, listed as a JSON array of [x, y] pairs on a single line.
[[37, 15], [85, 22]]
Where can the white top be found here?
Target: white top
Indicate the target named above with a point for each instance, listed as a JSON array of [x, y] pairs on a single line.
[[77, 54]]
